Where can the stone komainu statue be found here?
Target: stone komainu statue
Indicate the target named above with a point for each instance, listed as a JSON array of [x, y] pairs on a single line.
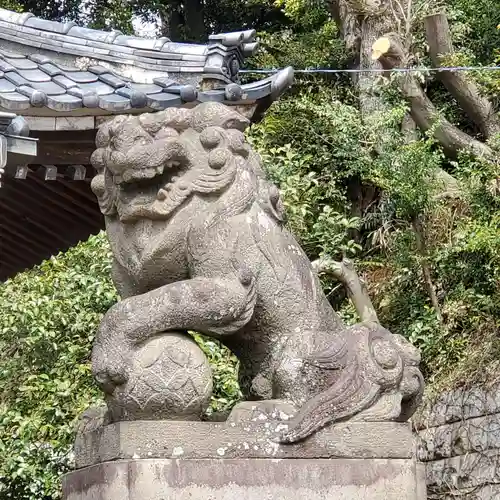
[[199, 244]]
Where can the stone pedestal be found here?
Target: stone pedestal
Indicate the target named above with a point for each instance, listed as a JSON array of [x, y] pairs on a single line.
[[208, 461]]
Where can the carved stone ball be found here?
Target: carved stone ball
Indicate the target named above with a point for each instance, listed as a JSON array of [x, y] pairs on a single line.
[[170, 379]]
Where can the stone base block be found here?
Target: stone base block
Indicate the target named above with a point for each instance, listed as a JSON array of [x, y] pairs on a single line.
[[170, 439], [240, 459], [247, 479]]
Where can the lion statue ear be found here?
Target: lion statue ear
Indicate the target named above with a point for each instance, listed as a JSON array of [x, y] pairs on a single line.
[[216, 114], [270, 201]]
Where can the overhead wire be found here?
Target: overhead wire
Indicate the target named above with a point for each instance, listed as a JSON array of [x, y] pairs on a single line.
[[375, 70]]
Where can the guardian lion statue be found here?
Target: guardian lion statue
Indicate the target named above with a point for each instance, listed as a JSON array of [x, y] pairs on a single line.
[[199, 244]]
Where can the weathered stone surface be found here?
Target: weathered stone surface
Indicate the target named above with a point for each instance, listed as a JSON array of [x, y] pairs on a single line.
[[460, 438], [246, 479], [199, 243], [465, 474], [459, 404], [170, 439]]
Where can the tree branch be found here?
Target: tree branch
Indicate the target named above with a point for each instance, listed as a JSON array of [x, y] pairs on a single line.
[[388, 50], [477, 107], [356, 290]]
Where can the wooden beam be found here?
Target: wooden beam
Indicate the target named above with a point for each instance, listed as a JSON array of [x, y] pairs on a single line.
[[32, 240], [76, 172], [25, 214], [25, 146], [21, 172], [23, 226], [9, 265], [47, 210], [64, 147], [86, 194], [62, 189], [47, 172], [39, 191], [14, 257], [6, 236]]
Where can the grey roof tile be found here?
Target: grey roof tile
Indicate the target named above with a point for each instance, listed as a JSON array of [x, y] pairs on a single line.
[[114, 103], [64, 81], [50, 69], [189, 93], [137, 99], [147, 88], [78, 92], [14, 101], [5, 66], [64, 102], [141, 43], [43, 24], [112, 80], [24, 17], [164, 81], [42, 80], [174, 87], [163, 100], [90, 100], [34, 75], [162, 55], [81, 76], [184, 48], [249, 49], [99, 88], [78, 50], [64, 67], [23, 63], [258, 92], [13, 36], [50, 88], [40, 58], [6, 86], [38, 99], [9, 16], [186, 69], [13, 55], [96, 35], [233, 92], [98, 69], [16, 78], [212, 95]]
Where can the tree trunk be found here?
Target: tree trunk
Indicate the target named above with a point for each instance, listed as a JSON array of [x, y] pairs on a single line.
[[194, 21], [424, 262], [171, 21], [477, 107]]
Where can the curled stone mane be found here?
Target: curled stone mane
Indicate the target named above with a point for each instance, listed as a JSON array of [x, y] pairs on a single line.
[[177, 152]]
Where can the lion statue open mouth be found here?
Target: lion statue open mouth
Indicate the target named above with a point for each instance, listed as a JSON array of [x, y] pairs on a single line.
[[199, 244]]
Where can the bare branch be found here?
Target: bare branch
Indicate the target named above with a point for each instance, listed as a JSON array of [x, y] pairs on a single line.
[[477, 107], [389, 52], [345, 273]]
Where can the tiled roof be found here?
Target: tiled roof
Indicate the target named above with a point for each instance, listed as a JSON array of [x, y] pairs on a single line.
[[64, 67]]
